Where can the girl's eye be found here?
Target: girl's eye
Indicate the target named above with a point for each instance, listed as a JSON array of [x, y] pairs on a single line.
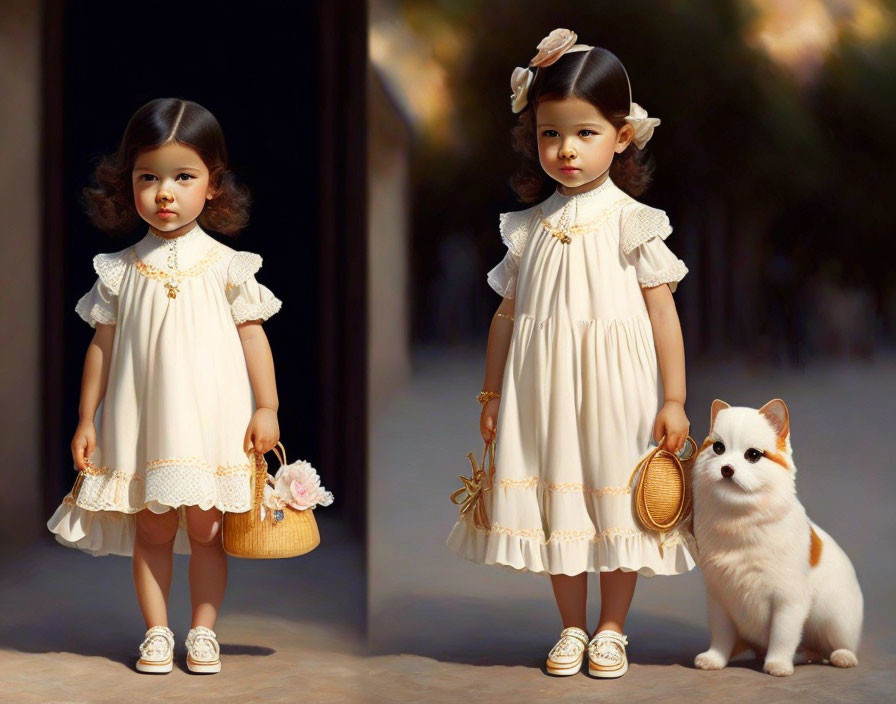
[[145, 177], [549, 133], [185, 176], [752, 455], [586, 133], [718, 447]]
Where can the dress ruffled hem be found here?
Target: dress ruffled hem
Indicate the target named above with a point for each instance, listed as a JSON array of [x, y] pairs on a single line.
[[100, 533], [603, 553]]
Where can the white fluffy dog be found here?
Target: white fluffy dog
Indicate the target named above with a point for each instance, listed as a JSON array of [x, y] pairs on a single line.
[[774, 579]]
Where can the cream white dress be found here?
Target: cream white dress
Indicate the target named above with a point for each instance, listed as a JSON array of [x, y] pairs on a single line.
[[170, 427], [581, 388]]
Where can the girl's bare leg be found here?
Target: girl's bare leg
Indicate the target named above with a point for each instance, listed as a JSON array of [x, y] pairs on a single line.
[[208, 565], [153, 550], [616, 591], [571, 594]]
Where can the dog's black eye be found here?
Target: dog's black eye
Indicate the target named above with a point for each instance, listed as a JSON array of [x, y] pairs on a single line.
[[718, 447], [752, 455]]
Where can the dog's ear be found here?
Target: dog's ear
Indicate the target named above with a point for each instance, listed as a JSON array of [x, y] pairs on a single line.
[[775, 411], [717, 405]]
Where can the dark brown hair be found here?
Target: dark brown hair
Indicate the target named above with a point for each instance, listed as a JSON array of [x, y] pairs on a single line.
[[163, 121], [599, 77]]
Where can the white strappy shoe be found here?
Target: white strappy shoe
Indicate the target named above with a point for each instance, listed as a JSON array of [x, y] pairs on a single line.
[[203, 651], [157, 651], [567, 654], [606, 655]]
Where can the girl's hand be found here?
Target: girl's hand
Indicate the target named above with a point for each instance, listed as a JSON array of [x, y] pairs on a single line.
[[672, 422], [488, 421], [263, 431], [83, 443]]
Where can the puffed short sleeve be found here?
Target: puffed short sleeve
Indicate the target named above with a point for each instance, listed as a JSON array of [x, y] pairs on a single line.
[[643, 233], [514, 230], [249, 300], [100, 303]]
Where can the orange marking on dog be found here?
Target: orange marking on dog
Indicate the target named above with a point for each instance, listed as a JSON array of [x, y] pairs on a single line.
[[814, 547], [706, 443], [774, 457], [782, 443]]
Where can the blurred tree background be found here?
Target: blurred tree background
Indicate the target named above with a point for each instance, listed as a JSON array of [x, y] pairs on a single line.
[[772, 159]]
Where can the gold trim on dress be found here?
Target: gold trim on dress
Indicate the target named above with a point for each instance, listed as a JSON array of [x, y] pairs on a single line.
[[151, 272], [221, 470], [561, 535], [563, 233], [564, 487]]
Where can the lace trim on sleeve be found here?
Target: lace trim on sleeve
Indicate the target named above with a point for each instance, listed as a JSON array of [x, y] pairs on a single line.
[[93, 313], [243, 310], [671, 275], [242, 266], [644, 224], [110, 268]]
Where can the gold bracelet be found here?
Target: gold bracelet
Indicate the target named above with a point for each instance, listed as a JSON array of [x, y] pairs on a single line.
[[504, 315], [485, 396]]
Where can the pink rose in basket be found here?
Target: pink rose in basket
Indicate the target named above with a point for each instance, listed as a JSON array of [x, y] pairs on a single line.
[[299, 485]]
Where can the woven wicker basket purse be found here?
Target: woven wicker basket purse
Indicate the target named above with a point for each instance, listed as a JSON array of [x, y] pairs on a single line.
[[264, 533], [662, 495], [471, 497]]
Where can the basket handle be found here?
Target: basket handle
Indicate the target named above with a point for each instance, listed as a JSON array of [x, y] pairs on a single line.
[[261, 477], [689, 442], [280, 451], [489, 452]]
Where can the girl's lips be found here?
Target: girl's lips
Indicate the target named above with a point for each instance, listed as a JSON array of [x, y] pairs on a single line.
[[569, 169], [165, 213]]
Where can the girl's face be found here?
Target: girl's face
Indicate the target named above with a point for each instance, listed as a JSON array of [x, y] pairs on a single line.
[[576, 143], [171, 187]]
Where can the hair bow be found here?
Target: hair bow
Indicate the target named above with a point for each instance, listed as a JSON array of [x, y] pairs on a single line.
[[642, 124]]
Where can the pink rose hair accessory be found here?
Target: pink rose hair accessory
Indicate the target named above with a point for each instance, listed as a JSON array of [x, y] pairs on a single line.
[[553, 46]]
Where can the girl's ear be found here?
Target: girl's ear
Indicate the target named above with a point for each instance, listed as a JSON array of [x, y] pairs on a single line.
[[624, 137]]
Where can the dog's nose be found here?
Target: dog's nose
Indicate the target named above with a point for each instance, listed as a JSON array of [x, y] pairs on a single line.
[[727, 471]]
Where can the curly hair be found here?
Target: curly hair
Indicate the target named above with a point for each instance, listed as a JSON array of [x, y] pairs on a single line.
[[110, 204], [598, 77]]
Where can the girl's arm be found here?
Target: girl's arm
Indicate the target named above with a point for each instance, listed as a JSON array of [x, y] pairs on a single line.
[[500, 333], [264, 430], [671, 421], [93, 388]]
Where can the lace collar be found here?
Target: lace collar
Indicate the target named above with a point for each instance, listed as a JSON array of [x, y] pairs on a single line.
[[192, 235], [605, 187], [175, 252]]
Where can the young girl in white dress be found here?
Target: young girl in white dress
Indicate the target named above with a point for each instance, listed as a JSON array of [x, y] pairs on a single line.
[[576, 349], [178, 380]]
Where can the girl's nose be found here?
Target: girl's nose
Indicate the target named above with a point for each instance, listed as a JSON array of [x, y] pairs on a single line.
[[567, 151], [164, 196]]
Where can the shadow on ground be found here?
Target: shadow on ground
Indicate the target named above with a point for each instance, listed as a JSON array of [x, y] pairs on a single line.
[[71, 627]]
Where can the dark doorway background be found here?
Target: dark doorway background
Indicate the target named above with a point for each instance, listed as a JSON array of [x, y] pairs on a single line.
[[269, 76]]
